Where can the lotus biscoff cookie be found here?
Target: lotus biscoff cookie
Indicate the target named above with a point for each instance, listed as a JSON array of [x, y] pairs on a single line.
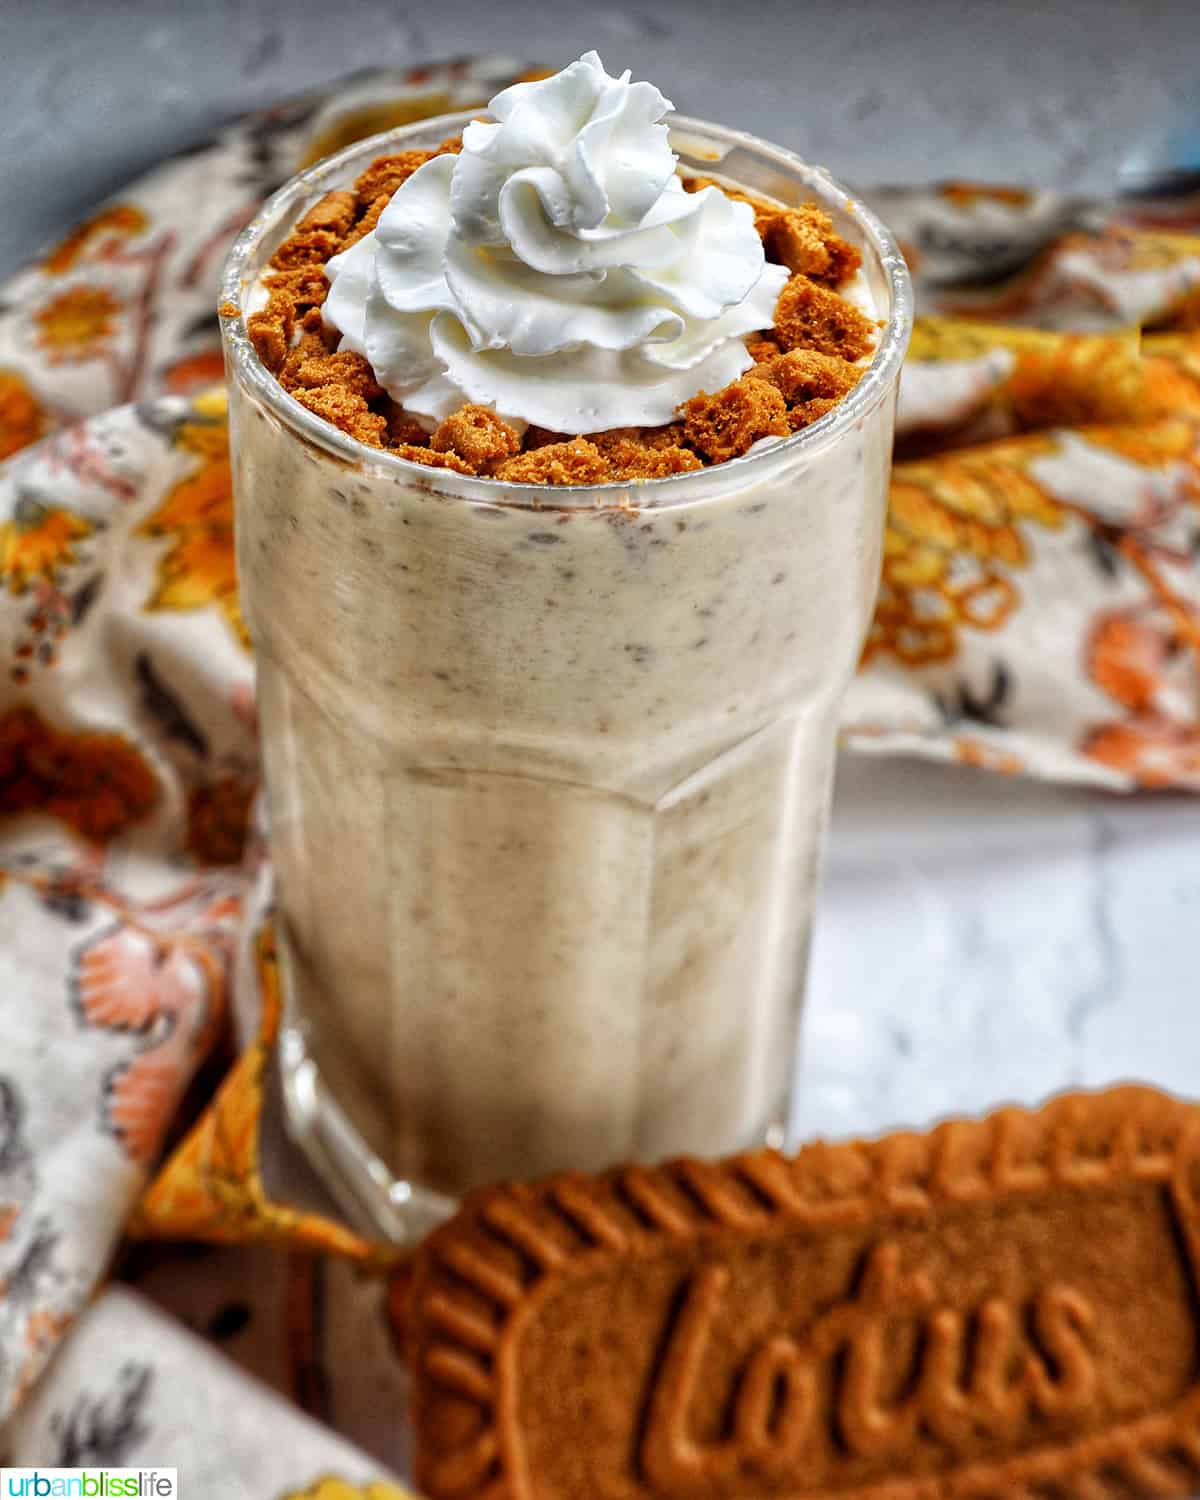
[[1002, 1308]]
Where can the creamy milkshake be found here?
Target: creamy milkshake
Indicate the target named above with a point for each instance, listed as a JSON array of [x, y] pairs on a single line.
[[549, 762]]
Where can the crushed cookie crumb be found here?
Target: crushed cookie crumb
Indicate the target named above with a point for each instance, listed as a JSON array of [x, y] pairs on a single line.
[[303, 286], [802, 239], [347, 411], [668, 436], [628, 459], [350, 371], [271, 334], [309, 247], [368, 221], [811, 383], [574, 462], [802, 366], [845, 258], [805, 241], [646, 452], [764, 212], [403, 428], [386, 173], [477, 434], [725, 424], [541, 437], [310, 345], [761, 349], [810, 316], [227, 310], [418, 455], [335, 212]]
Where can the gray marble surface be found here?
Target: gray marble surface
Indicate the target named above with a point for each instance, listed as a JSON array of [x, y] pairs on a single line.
[[980, 939], [984, 940]]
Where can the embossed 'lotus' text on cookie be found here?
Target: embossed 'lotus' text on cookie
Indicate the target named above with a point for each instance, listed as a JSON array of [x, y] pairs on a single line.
[[1005, 1308], [775, 1395]]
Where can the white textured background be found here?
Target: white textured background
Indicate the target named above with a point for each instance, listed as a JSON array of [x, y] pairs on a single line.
[[981, 939]]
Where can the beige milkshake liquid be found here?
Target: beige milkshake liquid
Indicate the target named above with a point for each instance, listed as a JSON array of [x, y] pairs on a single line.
[[546, 818], [549, 765]]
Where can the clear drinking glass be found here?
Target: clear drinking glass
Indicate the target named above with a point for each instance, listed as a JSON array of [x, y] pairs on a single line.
[[548, 769]]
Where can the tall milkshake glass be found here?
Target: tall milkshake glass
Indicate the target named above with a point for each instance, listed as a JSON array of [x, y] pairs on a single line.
[[548, 768]]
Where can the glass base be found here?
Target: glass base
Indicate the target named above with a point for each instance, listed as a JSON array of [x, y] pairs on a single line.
[[374, 1202]]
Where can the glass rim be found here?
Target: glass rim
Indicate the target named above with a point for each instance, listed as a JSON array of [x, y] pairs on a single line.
[[880, 376]]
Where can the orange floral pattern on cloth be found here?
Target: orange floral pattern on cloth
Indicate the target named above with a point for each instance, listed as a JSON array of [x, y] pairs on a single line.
[[218, 820], [951, 542], [117, 222], [1138, 657], [1044, 483], [77, 324], [38, 542], [199, 568], [167, 990], [1157, 753], [971, 751], [22, 418], [142, 985], [98, 784], [212, 1188], [194, 373]]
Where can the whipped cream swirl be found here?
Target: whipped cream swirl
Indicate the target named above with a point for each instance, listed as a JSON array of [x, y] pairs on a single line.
[[556, 270]]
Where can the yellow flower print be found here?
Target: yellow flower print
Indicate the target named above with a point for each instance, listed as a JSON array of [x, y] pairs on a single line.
[[1077, 380], [338, 1489], [37, 543], [21, 416], [950, 539], [197, 514], [77, 324], [119, 221], [1173, 370], [1056, 379], [1152, 446]]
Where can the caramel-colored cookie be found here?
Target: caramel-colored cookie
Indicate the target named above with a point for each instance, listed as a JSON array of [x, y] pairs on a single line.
[[295, 343], [1002, 1310], [478, 435], [805, 241], [573, 462], [812, 384], [810, 316], [728, 422]]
